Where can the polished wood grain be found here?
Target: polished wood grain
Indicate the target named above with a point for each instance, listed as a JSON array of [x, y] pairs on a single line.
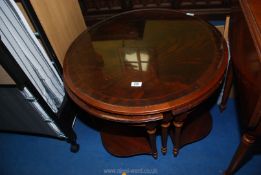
[[179, 60], [245, 39]]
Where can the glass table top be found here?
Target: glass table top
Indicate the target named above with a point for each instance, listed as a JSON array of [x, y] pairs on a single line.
[[144, 58]]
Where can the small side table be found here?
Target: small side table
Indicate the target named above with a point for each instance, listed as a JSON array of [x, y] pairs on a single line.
[[146, 69]]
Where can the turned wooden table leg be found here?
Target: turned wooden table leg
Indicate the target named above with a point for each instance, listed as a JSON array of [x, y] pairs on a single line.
[[172, 135], [177, 136], [152, 138], [242, 151], [164, 136], [178, 124]]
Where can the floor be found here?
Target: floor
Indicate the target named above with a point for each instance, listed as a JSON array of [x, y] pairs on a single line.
[[24, 155]]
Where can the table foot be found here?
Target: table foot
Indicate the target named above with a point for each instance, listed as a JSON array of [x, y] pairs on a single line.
[[155, 155], [175, 152], [164, 150]]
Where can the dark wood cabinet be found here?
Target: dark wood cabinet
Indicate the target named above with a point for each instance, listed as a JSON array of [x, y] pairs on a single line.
[[245, 40], [96, 10]]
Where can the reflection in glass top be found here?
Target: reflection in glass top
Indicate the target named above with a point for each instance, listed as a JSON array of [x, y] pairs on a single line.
[[136, 58]]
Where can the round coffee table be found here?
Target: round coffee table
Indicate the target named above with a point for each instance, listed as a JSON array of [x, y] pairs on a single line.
[[143, 69]]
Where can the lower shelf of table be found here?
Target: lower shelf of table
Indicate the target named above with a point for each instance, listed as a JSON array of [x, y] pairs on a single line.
[[125, 140], [196, 128]]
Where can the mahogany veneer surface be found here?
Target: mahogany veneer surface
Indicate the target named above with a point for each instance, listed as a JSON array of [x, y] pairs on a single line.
[[180, 60]]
